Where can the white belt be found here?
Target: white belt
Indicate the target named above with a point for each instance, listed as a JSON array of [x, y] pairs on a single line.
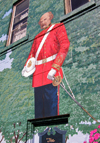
[[39, 62]]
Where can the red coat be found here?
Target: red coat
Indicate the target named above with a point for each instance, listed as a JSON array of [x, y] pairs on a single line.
[[56, 43]]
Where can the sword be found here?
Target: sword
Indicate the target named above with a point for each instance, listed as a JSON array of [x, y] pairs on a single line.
[[57, 81]]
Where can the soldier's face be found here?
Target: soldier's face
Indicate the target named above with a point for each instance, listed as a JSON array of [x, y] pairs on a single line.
[[45, 21]]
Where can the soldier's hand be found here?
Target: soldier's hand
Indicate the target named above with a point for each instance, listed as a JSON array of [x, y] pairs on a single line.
[[51, 74]]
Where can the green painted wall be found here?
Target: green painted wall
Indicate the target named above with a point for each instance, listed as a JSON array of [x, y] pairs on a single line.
[[81, 67]]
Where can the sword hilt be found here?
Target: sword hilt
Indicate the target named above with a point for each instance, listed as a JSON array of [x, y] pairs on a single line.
[[57, 80]]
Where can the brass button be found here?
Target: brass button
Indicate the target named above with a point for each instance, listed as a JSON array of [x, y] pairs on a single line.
[[44, 61]]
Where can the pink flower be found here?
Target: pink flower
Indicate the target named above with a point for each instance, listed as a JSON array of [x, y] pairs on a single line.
[[95, 130], [96, 136], [91, 139], [95, 142], [91, 133], [85, 142], [99, 126]]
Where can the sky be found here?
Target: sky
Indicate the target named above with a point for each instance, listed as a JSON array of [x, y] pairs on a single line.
[[7, 62], [7, 13]]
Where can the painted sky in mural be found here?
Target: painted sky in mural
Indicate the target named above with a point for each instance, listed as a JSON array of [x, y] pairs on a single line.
[[7, 62]]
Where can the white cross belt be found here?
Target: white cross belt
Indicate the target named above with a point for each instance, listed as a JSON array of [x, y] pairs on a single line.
[[39, 62]]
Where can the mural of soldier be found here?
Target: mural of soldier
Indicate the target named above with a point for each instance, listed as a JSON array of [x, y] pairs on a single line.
[[45, 59]]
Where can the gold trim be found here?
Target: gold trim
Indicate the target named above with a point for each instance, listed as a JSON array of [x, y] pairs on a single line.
[[56, 66]]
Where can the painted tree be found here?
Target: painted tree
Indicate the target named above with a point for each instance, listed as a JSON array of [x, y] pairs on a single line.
[[16, 105], [16, 136], [1, 137]]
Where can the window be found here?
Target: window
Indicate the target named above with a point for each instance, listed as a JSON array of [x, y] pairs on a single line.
[[18, 25], [70, 5]]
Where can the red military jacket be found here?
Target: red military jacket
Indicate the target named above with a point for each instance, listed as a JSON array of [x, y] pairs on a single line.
[[56, 43]]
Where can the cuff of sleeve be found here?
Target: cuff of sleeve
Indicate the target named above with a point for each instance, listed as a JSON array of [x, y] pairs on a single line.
[[56, 67]]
